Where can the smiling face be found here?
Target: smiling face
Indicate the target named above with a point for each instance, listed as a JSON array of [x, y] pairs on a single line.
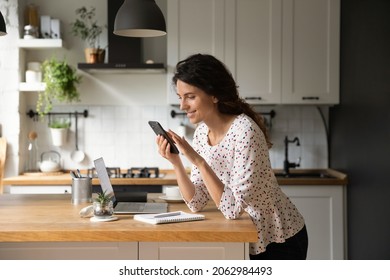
[[198, 105]]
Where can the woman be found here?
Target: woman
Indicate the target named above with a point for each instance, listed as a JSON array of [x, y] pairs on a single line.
[[230, 159]]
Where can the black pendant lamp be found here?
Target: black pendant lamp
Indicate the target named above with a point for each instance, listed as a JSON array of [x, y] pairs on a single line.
[[3, 31], [139, 18]]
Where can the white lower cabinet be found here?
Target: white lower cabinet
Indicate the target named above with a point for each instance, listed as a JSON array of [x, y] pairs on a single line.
[[193, 251], [323, 208], [123, 251], [68, 250]]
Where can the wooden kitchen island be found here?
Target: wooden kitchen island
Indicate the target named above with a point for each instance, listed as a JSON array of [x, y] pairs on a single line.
[[49, 227], [321, 200]]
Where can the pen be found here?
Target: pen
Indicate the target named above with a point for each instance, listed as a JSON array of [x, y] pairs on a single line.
[[169, 214], [73, 174]]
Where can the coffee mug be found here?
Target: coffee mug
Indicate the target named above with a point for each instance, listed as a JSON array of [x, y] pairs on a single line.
[[172, 192]]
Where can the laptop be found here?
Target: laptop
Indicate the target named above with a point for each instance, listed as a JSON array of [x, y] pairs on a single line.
[[125, 207]]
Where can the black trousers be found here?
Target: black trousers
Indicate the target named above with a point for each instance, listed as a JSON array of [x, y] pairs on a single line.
[[295, 248]]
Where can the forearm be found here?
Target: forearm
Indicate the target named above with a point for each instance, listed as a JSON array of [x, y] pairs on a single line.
[[211, 181], [187, 188]]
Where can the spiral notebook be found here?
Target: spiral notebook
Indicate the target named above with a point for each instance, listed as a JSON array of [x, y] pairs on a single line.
[[169, 217]]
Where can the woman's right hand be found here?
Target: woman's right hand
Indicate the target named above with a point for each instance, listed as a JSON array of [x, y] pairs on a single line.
[[164, 149]]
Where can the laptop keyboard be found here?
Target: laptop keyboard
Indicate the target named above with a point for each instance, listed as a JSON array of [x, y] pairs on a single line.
[[139, 207], [156, 207], [130, 207]]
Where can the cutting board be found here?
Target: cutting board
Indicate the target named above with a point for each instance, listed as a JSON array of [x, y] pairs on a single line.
[[3, 150]]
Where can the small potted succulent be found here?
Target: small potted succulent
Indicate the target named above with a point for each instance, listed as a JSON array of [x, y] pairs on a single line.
[[103, 206]]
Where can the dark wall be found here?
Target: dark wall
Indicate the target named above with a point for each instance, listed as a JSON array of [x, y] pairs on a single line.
[[360, 125]]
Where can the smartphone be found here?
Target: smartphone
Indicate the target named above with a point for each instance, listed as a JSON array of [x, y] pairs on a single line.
[[159, 130]]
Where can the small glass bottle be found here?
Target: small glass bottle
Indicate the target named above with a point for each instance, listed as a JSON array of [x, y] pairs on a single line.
[[31, 16], [32, 153]]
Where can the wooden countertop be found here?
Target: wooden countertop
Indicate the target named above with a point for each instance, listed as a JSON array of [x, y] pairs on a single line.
[[62, 179], [169, 178], [26, 218], [333, 177]]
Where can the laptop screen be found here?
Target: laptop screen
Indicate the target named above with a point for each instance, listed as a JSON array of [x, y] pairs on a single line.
[[105, 182]]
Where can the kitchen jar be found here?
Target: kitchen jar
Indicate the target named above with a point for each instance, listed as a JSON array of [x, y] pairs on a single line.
[[31, 16], [33, 76], [32, 164], [33, 72], [81, 190]]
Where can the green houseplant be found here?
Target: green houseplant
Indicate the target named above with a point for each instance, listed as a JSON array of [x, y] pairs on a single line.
[[103, 206], [60, 123], [61, 80], [86, 27]]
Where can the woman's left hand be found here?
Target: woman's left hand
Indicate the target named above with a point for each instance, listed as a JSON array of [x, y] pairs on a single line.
[[185, 148]]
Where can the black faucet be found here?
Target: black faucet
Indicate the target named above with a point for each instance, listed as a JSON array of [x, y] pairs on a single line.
[[287, 165]]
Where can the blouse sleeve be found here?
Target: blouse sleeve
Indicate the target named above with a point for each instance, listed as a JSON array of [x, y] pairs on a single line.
[[201, 196], [242, 189]]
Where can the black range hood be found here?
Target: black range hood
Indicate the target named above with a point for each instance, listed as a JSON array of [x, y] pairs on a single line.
[[121, 68], [124, 53]]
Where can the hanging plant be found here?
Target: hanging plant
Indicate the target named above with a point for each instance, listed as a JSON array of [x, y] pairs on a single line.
[[61, 85], [59, 131]]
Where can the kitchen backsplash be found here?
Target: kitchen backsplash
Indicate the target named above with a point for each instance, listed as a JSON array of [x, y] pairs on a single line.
[[122, 136]]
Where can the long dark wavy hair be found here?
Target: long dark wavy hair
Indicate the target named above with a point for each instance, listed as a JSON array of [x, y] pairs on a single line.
[[213, 77]]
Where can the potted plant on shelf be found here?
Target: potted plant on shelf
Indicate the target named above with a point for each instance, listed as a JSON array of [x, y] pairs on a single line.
[[103, 206], [61, 80], [59, 131], [87, 28]]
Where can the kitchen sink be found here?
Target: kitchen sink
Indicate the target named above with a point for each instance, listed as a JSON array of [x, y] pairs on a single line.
[[304, 175]]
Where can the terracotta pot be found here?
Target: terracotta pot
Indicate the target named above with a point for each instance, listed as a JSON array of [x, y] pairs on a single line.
[[93, 55]]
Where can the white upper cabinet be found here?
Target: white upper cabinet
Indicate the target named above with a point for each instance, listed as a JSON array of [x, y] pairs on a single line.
[[257, 27], [311, 36], [194, 27], [279, 51]]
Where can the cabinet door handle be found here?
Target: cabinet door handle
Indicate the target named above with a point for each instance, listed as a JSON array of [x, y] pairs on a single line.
[[310, 98], [253, 98]]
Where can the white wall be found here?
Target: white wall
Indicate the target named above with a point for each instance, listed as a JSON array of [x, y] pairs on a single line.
[[9, 77], [119, 107]]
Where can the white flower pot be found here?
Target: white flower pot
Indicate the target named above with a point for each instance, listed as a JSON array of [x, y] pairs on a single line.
[[59, 136]]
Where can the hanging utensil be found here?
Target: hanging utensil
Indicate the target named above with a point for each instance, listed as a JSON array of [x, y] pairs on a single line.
[[77, 155]]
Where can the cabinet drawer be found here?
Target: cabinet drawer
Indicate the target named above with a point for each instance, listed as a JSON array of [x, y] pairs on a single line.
[[40, 189]]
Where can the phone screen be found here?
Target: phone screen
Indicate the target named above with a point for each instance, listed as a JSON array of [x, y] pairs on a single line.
[[159, 130]]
